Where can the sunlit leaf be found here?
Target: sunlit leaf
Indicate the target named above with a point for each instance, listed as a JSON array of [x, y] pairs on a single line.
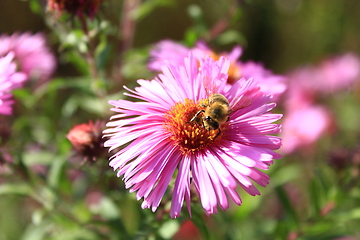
[[168, 229], [38, 157], [15, 188], [56, 172], [35, 232]]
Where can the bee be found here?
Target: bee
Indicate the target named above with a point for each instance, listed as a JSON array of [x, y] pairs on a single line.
[[216, 113], [218, 109]]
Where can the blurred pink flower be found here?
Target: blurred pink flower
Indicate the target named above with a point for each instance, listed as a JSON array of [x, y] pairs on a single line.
[[339, 72], [305, 121], [333, 74], [269, 83], [158, 141], [9, 80], [169, 52], [304, 126], [31, 54], [297, 96]]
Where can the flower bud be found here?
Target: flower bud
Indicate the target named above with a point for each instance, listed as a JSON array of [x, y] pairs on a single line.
[[75, 7], [87, 139]]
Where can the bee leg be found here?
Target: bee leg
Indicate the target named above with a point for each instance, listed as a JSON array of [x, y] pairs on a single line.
[[218, 133], [196, 115], [228, 119]]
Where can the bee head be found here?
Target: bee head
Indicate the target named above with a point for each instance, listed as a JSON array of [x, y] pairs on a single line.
[[210, 124]]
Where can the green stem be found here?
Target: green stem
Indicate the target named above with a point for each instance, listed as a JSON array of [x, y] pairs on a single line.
[[90, 57]]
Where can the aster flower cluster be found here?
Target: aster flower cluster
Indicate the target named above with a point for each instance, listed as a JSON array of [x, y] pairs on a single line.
[[158, 139], [23, 56], [167, 51], [306, 120], [31, 53], [9, 80]]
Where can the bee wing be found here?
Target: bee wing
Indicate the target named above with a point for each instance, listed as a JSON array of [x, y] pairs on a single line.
[[207, 83], [214, 79], [241, 102], [210, 86]]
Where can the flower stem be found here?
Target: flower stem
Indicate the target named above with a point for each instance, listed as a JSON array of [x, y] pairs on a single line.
[[90, 57]]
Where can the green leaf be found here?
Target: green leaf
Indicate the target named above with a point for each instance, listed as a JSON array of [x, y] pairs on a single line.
[[37, 216], [93, 105], [78, 61], [288, 207], [16, 188], [353, 214], [231, 36], [147, 7], [198, 220], [56, 172], [285, 174], [252, 203], [26, 97], [108, 209], [35, 6], [191, 36], [169, 228], [134, 66], [315, 194], [35, 232], [70, 106], [39, 157]]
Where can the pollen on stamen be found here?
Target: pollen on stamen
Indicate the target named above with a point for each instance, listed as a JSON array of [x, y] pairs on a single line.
[[190, 136]]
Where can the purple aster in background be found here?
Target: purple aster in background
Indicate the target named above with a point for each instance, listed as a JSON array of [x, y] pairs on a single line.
[[9, 80], [158, 141], [306, 120], [169, 52], [31, 54], [333, 74], [304, 126]]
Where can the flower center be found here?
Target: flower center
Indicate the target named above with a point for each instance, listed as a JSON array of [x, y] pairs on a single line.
[[186, 131]]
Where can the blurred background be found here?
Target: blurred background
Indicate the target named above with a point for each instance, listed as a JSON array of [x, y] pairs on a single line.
[[282, 34], [313, 192]]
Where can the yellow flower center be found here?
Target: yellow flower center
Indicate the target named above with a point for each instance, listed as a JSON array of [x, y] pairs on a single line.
[[190, 136]]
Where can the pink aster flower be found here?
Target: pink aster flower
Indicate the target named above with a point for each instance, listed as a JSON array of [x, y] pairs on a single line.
[[9, 80], [303, 126], [159, 141], [269, 83], [31, 54], [169, 52], [306, 121], [332, 74], [339, 72]]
